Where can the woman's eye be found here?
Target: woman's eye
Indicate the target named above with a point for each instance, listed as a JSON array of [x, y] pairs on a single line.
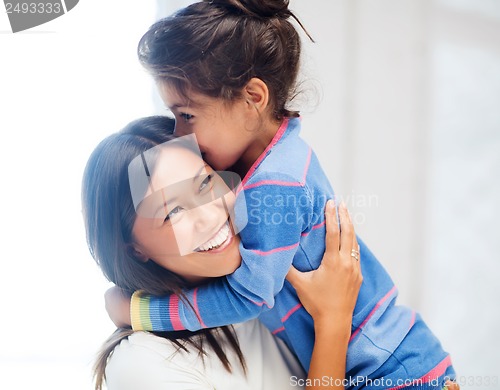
[[186, 117], [172, 214], [206, 182]]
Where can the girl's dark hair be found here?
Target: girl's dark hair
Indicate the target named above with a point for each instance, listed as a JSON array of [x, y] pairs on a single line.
[[109, 216], [216, 47]]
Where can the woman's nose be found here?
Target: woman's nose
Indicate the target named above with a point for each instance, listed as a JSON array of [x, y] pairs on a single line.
[[205, 218]]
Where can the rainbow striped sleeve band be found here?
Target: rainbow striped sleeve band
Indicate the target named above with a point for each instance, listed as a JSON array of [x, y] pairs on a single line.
[[139, 311]]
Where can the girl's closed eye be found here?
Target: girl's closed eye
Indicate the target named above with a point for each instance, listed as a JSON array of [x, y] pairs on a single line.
[[187, 117]]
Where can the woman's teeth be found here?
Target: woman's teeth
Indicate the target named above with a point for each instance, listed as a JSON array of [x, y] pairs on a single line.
[[218, 240]]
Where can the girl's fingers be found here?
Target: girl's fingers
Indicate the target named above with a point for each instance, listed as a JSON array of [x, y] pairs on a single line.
[[452, 385], [332, 229]]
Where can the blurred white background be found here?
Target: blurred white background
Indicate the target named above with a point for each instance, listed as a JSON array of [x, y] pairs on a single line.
[[402, 107]]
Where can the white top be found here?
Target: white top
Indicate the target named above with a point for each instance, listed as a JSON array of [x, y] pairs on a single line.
[[147, 362]]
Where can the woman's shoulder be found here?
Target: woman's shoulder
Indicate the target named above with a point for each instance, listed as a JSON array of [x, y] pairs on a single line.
[[149, 362]]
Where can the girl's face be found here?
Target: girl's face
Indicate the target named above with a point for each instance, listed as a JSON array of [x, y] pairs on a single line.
[[184, 225], [226, 132]]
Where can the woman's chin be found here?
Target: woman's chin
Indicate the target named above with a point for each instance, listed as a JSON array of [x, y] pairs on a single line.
[[223, 260]]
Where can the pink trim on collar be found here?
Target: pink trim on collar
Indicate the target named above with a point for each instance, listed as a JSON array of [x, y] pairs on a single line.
[[273, 142]]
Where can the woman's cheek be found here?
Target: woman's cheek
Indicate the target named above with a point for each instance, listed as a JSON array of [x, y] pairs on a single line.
[[182, 236], [235, 255]]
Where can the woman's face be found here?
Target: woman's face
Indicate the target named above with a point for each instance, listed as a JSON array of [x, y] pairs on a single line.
[[184, 224]]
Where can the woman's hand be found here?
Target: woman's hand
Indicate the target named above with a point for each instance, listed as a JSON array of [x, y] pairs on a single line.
[[117, 303], [329, 293]]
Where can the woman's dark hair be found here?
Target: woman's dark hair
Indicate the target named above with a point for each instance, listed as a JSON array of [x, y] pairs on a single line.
[[216, 47], [109, 217]]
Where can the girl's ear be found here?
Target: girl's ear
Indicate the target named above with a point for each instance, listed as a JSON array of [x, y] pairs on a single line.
[[256, 94], [136, 253]]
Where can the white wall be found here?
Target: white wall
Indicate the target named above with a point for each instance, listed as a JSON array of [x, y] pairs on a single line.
[[64, 86], [464, 184], [408, 130]]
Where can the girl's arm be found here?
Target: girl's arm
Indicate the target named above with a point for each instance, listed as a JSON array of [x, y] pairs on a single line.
[[329, 295]]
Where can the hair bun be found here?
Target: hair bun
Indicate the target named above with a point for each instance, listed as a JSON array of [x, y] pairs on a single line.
[[256, 8]]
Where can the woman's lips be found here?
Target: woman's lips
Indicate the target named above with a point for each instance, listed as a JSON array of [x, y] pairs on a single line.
[[217, 241]]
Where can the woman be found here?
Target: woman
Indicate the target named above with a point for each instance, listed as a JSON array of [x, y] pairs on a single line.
[[245, 356]]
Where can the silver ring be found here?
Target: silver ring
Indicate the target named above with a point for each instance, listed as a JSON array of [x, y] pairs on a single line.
[[355, 254]]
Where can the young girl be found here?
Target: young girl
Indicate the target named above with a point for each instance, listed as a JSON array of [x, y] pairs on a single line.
[[136, 250], [227, 71]]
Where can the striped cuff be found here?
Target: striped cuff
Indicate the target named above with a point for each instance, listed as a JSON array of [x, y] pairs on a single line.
[[139, 311], [153, 313]]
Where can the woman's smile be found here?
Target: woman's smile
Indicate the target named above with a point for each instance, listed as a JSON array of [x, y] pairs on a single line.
[[217, 241]]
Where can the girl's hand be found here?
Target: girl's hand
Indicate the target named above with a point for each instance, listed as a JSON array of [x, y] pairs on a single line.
[[117, 303], [449, 385], [329, 293]]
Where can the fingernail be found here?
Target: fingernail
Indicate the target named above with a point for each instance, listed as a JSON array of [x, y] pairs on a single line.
[[330, 204]]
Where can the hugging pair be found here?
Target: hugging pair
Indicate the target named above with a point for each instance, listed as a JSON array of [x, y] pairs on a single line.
[[227, 71]]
